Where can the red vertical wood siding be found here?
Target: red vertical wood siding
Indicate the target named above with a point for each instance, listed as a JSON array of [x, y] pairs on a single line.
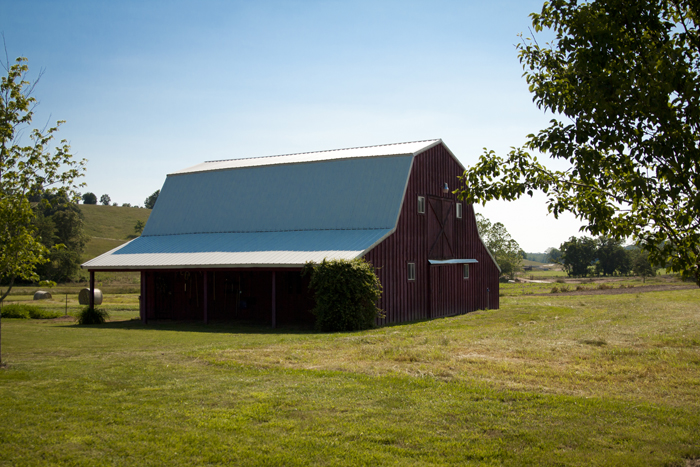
[[437, 290]]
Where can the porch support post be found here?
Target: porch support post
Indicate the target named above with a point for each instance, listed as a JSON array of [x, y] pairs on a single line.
[[92, 290], [143, 300], [274, 303], [206, 296]]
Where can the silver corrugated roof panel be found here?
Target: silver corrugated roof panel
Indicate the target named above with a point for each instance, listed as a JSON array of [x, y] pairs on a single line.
[[412, 148], [252, 249], [363, 193]]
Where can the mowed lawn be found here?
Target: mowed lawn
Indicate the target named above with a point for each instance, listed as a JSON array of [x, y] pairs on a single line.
[[545, 380]]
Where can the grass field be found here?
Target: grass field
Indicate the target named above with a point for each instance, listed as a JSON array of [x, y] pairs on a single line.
[[529, 262], [108, 227], [551, 380], [115, 222], [564, 284]]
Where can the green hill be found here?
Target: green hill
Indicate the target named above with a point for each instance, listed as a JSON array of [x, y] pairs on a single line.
[[109, 226]]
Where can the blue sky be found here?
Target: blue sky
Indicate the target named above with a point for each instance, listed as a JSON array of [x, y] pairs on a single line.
[[150, 87]]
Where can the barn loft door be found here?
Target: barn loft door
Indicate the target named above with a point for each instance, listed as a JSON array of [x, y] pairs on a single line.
[[441, 213]]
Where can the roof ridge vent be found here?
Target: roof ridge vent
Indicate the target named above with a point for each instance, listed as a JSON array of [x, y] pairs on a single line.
[[326, 150]]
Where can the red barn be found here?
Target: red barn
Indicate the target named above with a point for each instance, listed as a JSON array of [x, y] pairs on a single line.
[[227, 239]]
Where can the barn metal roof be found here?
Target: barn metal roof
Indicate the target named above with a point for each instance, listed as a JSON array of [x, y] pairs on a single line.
[[328, 195], [273, 211], [411, 148], [249, 249]]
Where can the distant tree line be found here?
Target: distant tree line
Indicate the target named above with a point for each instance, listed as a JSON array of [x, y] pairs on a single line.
[[59, 225], [603, 256], [60, 228], [105, 200], [537, 257]]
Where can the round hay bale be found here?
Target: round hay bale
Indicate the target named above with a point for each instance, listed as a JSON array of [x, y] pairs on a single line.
[[84, 297], [42, 295]]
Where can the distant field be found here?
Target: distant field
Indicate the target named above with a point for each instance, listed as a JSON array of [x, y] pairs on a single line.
[[109, 227], [563, 284], [553, 274], [119, 304], [114, 222], [96, 246], [556, 380], [527, 262], [539, 274]]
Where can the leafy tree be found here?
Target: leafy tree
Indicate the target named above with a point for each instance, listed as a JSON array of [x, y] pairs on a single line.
[[553, 254], [346, 294], [27, 169], [60, 222], [89, 198], [20, 252], [612, 257], [138, 228], [126, 205], [641, 266], [502, 246], [105, 199], [151, 200], [622, 78], [577, 254], [28, 166]]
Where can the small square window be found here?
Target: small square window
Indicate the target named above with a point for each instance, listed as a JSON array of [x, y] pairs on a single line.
[[411, 271], [465, 271], [421, 205], [459, 210]]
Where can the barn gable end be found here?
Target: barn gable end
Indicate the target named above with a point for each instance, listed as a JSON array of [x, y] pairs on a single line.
[[438, 289]]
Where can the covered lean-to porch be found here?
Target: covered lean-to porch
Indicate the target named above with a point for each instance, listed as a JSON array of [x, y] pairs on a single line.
[[268, 296]]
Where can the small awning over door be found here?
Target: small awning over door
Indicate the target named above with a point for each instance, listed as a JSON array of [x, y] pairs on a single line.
[[438, 262]]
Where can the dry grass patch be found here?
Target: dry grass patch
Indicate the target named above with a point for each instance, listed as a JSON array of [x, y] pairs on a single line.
[[645, 345]]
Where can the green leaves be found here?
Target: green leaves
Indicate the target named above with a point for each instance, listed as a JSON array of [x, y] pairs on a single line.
[[151, 200], [623, 78], [27, 168], [346, 294], [138, 228], [20, 252], [505, 250]]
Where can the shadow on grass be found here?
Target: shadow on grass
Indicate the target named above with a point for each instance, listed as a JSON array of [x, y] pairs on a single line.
[[230, 326], [220, 327]]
